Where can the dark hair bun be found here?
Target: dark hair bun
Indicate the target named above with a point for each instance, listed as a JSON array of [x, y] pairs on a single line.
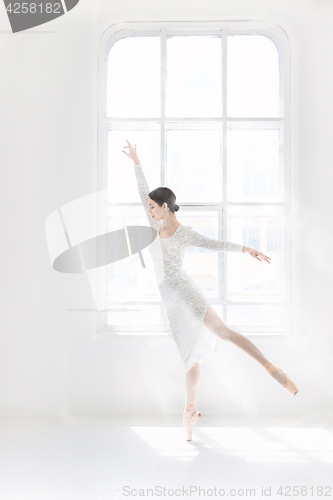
[[162, 195]]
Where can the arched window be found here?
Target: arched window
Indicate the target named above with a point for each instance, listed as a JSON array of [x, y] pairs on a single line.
[[207, 105]]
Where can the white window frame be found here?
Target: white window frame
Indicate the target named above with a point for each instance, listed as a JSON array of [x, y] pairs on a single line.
[[290, 127]]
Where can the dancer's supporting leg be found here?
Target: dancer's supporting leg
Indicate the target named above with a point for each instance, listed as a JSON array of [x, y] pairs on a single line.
[[192, 383], [213, 322]]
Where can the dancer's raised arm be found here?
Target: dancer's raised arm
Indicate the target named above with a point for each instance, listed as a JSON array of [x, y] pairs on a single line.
[[142, 184]]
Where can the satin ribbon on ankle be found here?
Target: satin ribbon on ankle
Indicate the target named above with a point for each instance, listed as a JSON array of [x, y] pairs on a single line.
[[189, 405]]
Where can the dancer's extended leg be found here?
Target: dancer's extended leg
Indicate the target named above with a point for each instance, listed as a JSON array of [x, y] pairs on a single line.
[[213, 322], [192, 383]]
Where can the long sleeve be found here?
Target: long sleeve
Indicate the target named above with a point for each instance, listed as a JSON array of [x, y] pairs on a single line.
[[144, 192], [195, 239]]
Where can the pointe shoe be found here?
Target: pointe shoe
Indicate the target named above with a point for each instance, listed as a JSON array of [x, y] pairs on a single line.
[[290, 386], [188, 427]]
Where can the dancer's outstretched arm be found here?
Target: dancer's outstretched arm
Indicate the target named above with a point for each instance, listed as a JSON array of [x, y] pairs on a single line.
[[195, 239]]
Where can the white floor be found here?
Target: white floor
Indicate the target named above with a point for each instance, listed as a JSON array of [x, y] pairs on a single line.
[[115, 458]]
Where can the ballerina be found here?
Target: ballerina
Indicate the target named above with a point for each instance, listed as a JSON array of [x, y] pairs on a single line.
[[194, 324]]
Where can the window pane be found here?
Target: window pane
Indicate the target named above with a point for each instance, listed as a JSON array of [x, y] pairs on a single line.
[[254, 170], [127, 278], [260, 228], [194, 170], [252, 315], [133, 77], [193, 76], [135, 314], [252, 76], [219, 310], [122, 184]]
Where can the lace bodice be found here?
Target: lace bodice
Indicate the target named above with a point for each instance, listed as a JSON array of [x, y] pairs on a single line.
[[168, 253]]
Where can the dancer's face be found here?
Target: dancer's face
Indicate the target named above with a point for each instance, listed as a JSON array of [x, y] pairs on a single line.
[[155, 210]]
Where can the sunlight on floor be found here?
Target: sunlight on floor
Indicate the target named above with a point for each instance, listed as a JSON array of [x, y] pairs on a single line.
[[316, 441], [98, 460], [265, 444], [167, 441]]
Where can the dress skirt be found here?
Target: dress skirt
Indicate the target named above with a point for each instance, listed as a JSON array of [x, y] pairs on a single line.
[[186, 306]]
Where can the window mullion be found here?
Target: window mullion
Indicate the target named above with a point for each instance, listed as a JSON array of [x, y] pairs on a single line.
[[163, 135], [224, 164]]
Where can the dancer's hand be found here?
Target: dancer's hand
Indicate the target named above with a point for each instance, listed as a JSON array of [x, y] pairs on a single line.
[[132, 153], [257, 255]]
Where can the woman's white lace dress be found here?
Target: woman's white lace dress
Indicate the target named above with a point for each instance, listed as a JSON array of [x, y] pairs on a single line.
[[184, 300]]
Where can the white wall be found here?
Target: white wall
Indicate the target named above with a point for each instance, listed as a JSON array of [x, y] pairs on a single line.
[[49, 361]]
